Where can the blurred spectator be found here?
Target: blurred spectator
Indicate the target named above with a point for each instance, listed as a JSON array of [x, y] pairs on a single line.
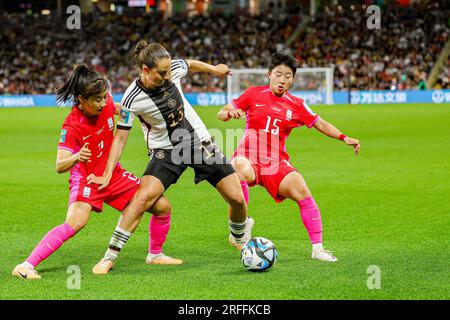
[[37, 53], [444, 77], [401, 54]]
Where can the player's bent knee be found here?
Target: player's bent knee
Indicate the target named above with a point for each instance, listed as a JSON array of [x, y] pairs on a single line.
[[161, 207], [145, 200], [236, 200], [77, 226], [243, 168]]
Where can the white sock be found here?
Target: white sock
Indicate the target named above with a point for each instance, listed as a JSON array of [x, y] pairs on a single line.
[[237, 229], [111, 255], [118, 240], [154, 255], [317, 246]]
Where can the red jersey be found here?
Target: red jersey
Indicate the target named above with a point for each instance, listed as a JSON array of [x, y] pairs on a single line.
[[270, 119], [98, 131]]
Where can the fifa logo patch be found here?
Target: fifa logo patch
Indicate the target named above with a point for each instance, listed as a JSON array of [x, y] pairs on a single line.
[[289, 115], [124, 116], [62, 139], [86, 192], [110, 123]]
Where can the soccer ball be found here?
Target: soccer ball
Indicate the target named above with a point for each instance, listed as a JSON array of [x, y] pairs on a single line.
[[259, 254]]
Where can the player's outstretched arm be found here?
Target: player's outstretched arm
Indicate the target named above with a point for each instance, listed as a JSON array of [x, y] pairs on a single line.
[[220, 70], [65, 160], [228, 112], [331, 131]]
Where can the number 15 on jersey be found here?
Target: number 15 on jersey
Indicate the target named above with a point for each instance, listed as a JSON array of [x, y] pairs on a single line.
[[271, 126]]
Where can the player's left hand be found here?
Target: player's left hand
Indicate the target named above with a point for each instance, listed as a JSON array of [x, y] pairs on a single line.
[[353, 142], [95, 179], [222, 70]]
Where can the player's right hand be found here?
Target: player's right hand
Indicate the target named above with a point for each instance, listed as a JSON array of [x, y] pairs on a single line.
[[92, 178], [104, 183], [84, 154], [235, 114]]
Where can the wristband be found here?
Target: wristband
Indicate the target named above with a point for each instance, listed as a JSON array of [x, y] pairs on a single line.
[[342, 136]]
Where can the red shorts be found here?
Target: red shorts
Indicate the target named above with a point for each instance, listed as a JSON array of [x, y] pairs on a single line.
[[270, 174], [121, 189]]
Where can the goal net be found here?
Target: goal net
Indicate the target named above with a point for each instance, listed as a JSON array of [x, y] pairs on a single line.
[[314, 85]]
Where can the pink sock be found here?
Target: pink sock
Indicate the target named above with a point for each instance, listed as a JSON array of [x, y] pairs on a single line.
[[50, 243], [244, 186], [158, 229], [310, 213]]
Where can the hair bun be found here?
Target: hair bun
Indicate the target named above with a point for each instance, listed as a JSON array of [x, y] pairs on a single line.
[[139, 47], [81, 68]]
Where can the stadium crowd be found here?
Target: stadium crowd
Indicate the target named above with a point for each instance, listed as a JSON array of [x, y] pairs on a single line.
[[37, 52], [399, 55]]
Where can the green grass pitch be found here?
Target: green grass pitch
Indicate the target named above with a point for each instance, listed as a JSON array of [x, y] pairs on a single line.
[[389, 207]]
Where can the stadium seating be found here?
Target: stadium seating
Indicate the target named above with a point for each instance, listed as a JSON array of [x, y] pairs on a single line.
[[37, 55]]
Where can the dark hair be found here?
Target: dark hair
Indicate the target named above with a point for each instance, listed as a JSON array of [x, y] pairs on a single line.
[[149, 54], [82, 81], [282, 57]]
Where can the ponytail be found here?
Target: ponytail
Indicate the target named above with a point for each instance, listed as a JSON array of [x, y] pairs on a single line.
[[82, 81]]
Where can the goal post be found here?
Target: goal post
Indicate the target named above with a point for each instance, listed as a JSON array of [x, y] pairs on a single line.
[[314, 85]]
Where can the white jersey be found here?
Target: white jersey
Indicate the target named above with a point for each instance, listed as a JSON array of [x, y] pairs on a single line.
[[166, 117]]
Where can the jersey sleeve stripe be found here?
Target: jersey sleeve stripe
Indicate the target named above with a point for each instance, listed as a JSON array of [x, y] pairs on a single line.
[[175, 66], [314, 121], [66, 148], [180, 63], [130, 97], [135, 94], [127, 99]]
